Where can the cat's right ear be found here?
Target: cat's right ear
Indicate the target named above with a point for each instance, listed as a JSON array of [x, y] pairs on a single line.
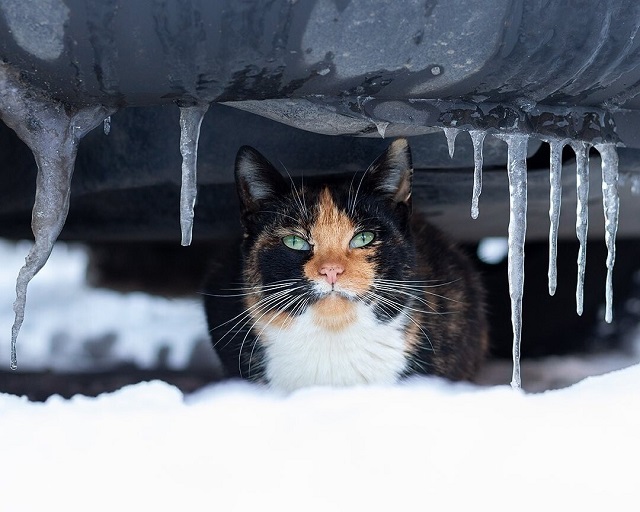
[[257, 181]]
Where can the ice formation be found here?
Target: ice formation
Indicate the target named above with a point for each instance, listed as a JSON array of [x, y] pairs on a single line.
[[381, 126], [52, 132], [581, 150], [555, 201], [517, 173], [106, 125], [477, 138], [451, 134], [190, 122], [611, 205]]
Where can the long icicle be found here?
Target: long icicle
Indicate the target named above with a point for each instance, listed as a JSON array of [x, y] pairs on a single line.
[[190, 122], [555, 202], [517, 172], [611, 204], [52, 131], [581, 150], [477, 138]]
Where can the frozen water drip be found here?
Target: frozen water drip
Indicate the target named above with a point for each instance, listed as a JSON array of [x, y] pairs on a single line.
[[381, 126], [611, 204], [451, 134], [477, 138], [190, 122], [555, 203], [581, 149], [517, 173], [52, 131]]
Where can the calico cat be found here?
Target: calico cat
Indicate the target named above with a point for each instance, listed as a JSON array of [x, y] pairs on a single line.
[[343, 285]]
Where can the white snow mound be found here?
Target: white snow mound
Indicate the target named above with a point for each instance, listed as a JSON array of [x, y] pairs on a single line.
[[427, 444]]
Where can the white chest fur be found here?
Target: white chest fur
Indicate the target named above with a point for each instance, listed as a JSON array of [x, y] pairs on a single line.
[[364, 352]]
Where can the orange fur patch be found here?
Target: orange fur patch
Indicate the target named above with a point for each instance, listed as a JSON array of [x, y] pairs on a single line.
[[330, 237], [334, 313]]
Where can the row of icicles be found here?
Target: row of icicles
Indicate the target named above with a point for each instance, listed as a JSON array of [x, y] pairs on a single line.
[[517, 174], [191, 119], [55, 152]]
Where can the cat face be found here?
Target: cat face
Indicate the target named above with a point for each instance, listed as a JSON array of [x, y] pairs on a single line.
[[328, 242], [316, 256]]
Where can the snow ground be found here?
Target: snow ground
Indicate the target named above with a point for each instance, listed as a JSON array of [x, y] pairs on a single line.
[[234, 446], [422, 445]]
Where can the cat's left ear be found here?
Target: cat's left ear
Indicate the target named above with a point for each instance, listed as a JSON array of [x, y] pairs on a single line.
[[257, 181], [391, 173]]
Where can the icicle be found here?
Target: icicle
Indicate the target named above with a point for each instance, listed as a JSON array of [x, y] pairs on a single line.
[[555, 202], [477, 138], [451, 134], [106, 125], [610, 202], [517, 172], [382, 127], [52, 132], [581, 150], [190, 121]]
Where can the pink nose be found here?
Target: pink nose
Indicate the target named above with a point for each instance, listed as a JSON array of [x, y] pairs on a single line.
[[331, 271]]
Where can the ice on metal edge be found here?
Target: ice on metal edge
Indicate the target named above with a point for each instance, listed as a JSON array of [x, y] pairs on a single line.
[[477, 138], [611, 204], [581, 149], [190, 122], [381, 126], [517, 173], [451, 134], [106, 125], [555, 203]]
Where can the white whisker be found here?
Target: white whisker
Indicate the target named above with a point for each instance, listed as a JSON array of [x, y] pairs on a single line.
[[245, 316], [408, 290], [402, 309], [355, 197], [282, 308], [254, 290]]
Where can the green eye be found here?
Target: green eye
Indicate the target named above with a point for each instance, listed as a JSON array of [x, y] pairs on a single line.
[[362, 239], [296, 243]]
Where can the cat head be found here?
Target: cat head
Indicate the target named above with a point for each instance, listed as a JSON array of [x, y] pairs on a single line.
[[330, 239]]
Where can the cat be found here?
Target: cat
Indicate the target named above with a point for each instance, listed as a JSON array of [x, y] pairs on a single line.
[[343, 285]]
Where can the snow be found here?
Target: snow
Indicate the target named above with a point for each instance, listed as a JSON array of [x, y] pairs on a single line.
[[235, 446], [71, 326], [493, 250]]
